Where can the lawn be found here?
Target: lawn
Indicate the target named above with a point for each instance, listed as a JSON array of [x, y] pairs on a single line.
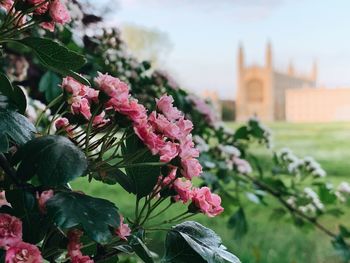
[[271, 241]]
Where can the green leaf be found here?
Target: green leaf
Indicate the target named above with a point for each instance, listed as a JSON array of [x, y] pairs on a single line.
[[56, 57], [54, 159], [14, 95], [53, 54], [192, 242], [143, 177], [4, 143], [49, 85], [238, 221], [327, 196], [113, 176], [141, 249], [16, 127], [95, 215]]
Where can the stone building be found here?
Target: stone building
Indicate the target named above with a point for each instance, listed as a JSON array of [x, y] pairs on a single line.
[[318, 105], [262, 89]]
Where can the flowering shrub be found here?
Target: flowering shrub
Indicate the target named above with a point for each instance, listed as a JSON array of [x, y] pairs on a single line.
[[102, 132], [135, 127]]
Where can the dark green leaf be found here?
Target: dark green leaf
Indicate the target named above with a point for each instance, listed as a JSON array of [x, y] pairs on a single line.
[[14, 95], [55, 159], [238, 221], [192, 242], [113, 176], [95, 215], [17, 127], [141, 249], [53, 54], [144, 178], [4, 143], [49, 85], [56, 57]]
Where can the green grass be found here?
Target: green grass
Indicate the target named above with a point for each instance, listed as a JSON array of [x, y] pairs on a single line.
[[269, 241]]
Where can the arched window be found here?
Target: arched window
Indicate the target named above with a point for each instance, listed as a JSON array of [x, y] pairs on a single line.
[[255, 91]]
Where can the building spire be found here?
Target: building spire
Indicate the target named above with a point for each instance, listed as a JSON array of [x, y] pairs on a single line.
[[314, 71], [240, 58], [291, 71], [268, 55]]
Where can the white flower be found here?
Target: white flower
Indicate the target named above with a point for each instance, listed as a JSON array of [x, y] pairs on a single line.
[[344, 187], [231, 150], [201, 145], [242, 165]]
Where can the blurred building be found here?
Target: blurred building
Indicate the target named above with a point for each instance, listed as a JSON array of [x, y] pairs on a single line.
[[262, 89], [318, 105]]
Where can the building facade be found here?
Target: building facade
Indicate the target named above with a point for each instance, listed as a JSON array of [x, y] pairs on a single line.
[[262, 90], [318, 105]]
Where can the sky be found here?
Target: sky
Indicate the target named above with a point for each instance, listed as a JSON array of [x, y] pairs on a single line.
[[205, 35]]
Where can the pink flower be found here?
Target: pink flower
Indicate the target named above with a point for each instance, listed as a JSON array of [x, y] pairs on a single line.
[[6, 4], [91, 94], [23, 252], [190, 168], [74, 87], [135, 111], [50, 26], [81, 259], [123, 230], [145, 132], [61, 123], [185, 127], [168, 151], [165, 105], [113, 87], [168, 180], [81, 106], [59, 12], [74, 245], [183, 189], [10, 230], [100, 120], [164, 126], [187, 148], [42, 8], [206, 202], [43, 198]]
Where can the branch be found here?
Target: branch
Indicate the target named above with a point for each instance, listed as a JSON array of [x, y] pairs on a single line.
[[293, 210]]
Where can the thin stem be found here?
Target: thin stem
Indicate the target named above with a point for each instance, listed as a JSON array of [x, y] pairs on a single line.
[[293, 210]]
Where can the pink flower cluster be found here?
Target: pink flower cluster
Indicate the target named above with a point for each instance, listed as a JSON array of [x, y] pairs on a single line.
[[80, 100], [17, 251], [57, 10], [74, 247], [202, 198], [168, 134], [123, 231], [165, 132]]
